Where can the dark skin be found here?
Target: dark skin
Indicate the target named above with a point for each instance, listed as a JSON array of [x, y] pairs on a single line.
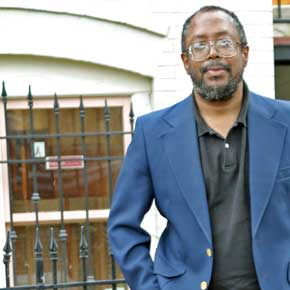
[[206, 26]]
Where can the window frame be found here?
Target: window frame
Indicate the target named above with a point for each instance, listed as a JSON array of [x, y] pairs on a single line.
[[70, 216]]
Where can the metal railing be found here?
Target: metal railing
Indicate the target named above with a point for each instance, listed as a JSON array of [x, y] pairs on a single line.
[[58, 251]]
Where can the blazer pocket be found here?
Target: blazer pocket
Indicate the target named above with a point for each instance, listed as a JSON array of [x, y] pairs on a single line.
[[283, 173], [166, 269]]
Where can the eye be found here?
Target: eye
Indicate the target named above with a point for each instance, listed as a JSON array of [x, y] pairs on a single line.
[[198, 46], [225, 43]]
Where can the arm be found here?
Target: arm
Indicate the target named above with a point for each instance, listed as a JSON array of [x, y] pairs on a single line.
[[132, 199]]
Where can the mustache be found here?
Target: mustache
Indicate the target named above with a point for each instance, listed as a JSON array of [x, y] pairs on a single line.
[[213, 63]]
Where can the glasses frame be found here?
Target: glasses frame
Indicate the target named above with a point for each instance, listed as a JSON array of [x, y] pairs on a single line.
[[212, 43]]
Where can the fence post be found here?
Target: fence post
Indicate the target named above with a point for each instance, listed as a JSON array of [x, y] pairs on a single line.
[[62, 231], [12, 233], [86, 187]]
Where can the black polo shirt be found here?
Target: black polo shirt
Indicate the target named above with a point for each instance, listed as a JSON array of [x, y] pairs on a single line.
[[225, 170]]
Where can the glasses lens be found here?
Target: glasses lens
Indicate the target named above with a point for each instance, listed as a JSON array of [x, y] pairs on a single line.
[[199, 50], [224, 47]]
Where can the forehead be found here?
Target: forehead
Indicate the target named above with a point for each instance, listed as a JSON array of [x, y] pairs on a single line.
[[211, 25]]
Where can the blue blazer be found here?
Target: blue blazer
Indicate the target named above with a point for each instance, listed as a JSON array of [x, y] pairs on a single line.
[[163, 164]]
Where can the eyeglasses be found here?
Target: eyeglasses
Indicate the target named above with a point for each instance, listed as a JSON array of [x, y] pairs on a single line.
[[226, 47]]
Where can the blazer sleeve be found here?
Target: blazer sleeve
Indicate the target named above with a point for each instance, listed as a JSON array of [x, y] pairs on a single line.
[[133, 196]]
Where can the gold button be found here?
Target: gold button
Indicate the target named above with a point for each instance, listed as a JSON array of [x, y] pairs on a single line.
[[203, 285], [209, 252]]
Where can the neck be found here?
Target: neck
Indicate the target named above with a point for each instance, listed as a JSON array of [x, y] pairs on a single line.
[[221, 115]]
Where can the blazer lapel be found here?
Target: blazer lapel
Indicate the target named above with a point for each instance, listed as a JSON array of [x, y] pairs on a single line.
[[266, 138], [181, 147]]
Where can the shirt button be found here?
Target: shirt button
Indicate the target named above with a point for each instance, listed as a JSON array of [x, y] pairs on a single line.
[[209, 252], [203, 285], [227, 145]]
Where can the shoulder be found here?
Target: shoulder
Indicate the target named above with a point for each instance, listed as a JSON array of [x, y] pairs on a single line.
[[278, 109], [271, 102], [163, 112], [160, 118]]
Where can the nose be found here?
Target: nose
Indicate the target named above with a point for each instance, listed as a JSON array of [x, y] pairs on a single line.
[[212, 51]]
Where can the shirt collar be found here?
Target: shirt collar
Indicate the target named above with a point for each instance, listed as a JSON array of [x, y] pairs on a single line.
[[202, 126]]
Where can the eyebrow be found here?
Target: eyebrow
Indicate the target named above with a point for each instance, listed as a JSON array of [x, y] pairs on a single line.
[[219, 33]]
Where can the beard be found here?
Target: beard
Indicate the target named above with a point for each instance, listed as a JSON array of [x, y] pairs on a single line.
[[216, 93]]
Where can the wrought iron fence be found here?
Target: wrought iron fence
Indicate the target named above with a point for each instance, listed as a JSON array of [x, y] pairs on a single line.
[[58, 250]]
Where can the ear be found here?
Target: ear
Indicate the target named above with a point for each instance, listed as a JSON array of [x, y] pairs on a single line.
[[185, 60], [245, 55]]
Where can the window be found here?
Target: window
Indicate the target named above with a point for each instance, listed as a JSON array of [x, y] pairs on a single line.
[[73, 179], [282, 81]]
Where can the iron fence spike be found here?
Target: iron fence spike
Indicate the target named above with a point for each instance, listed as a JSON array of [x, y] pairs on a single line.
[[38, 258], [82, 108], [29, 93], [4, 93], [6, 259], [83, 241], [56, 104], [81, 102], [53, 244], [8, 245], [131, 117], [38, 244], [106, 111], [131, 114]]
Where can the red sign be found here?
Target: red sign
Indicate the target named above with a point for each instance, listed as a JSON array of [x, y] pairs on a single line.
[[66, 162]]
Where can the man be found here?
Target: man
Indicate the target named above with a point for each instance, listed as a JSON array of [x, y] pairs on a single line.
[[218, 166]]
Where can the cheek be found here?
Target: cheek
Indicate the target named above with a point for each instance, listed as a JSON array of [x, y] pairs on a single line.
[[195, 71], [238, 66]]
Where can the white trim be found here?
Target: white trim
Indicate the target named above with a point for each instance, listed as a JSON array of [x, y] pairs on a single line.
[[138, 15]]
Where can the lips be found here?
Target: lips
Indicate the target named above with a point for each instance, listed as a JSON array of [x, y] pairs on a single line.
[[215, 71], [215, 67]]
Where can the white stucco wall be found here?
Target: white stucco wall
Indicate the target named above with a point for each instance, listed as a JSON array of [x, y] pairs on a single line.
[[49, 75], [78, 38]]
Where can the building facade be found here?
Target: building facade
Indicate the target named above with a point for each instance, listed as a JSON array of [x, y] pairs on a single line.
[[121, 52]]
